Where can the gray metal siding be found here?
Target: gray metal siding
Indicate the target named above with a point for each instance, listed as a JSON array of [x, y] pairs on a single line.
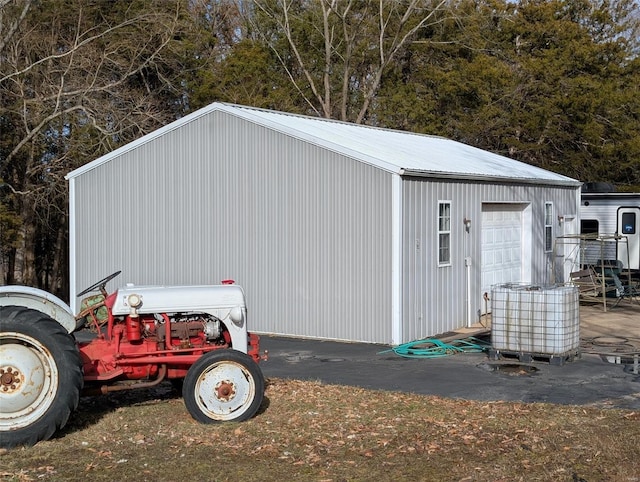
[[435, 298], [305, 231]]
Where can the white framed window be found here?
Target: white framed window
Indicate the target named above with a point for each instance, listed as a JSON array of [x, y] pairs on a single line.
[[548, 226], [444, 233]]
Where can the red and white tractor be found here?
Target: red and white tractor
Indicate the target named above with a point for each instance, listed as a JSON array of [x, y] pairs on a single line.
[[135, 337]]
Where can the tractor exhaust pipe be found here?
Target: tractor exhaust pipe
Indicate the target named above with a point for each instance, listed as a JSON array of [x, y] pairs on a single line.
[[104, 389]]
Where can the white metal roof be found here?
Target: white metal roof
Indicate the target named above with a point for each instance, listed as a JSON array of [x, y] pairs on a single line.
[[400, 152]]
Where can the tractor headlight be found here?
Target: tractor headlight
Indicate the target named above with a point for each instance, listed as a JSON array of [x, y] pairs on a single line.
[[134, 301], [237, 316]]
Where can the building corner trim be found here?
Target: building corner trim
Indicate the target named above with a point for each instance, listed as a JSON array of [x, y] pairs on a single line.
[[396, 259]]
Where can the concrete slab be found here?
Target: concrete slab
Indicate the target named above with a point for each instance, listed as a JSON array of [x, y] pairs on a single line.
[[623, 320], [587, 380]]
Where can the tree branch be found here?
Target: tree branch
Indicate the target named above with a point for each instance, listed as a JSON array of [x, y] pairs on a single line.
[[13, 26]]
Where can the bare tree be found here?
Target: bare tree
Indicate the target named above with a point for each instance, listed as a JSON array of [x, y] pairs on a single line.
[[76, 80], [10, 21], [335, 52]]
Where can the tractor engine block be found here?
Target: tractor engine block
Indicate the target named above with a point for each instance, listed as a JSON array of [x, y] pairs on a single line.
[[184, 327], [134, 336]]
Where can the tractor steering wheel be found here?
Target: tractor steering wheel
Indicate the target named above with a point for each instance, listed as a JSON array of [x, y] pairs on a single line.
[[100, 284]]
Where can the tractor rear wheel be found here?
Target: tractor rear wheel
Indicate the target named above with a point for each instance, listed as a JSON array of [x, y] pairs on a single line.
[[40, 376], [223, 386]]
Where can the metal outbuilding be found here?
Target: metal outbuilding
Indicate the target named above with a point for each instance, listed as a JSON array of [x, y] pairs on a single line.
[[335, 230]]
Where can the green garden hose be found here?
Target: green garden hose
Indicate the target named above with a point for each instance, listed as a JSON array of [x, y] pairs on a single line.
[[434, 348]]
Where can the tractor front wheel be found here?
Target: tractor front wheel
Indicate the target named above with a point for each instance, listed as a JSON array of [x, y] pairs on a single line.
[[223, 386], [40, 376]]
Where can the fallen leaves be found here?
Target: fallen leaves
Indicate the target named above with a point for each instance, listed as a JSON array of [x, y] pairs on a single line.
[[311, 431]]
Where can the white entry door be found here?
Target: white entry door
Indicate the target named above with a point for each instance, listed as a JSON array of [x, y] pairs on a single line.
[[501, 247], [629, 226]]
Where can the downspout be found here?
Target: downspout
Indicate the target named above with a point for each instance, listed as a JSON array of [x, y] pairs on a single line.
[[467, 267], [467, 263]]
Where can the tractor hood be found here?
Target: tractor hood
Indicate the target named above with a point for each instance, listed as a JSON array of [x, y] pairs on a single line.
[[174, 299]]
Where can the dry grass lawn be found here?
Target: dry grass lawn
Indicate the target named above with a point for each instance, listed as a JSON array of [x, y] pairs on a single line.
[[315, 432]]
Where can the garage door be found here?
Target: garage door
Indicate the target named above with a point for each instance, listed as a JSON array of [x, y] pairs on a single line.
[[501, 246]]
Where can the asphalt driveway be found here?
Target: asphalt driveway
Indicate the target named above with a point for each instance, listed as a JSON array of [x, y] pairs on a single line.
[[586, 380]]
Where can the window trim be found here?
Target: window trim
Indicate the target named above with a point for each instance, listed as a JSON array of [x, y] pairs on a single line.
[[443, 232], [548, 225]]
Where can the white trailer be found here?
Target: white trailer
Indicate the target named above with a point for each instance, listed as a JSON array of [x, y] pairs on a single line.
[[614, 213]]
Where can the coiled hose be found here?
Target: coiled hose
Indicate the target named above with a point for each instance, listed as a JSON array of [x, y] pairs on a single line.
[[434, 348]]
